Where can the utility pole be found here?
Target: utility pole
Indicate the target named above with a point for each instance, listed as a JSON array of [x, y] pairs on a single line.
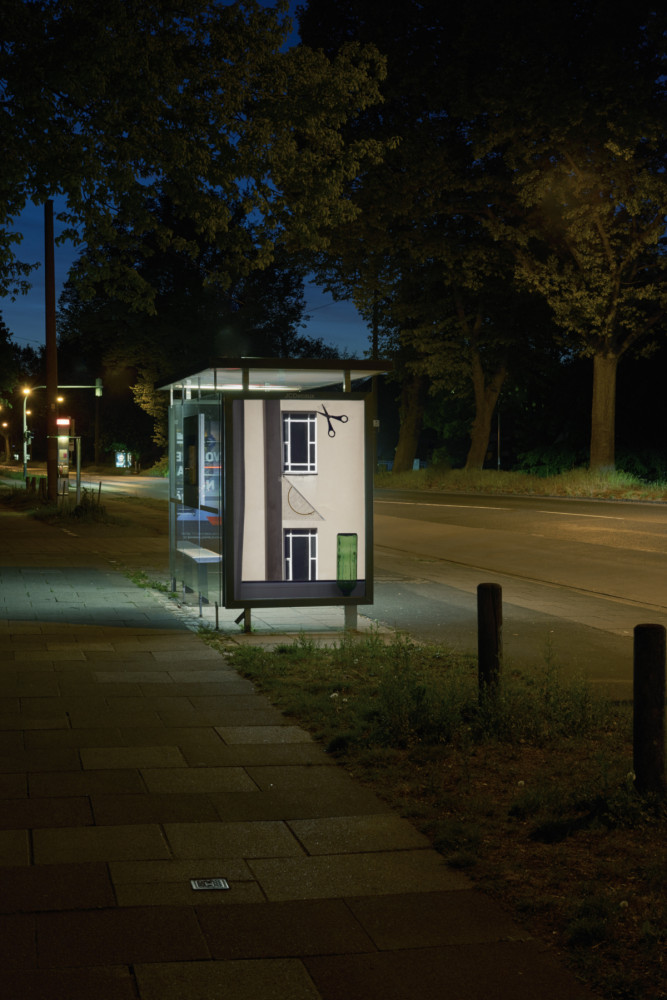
[[51, 355]]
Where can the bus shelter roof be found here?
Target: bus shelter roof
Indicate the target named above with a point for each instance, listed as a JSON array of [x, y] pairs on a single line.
[[276, 375]]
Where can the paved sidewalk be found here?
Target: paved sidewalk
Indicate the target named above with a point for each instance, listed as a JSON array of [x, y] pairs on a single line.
[[134, 760]]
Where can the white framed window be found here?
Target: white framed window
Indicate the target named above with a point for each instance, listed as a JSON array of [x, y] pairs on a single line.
[[300, 553], [300, 442]]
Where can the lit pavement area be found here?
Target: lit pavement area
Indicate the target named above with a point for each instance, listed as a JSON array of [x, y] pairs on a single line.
[[134, 760]]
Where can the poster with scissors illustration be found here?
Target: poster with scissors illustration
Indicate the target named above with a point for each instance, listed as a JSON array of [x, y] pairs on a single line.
[[299, 500]]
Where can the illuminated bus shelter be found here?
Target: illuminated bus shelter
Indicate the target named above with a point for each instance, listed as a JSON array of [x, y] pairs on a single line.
[[271, 482]]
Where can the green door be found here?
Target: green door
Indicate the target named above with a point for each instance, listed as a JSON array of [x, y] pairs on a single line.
[[346, 562]]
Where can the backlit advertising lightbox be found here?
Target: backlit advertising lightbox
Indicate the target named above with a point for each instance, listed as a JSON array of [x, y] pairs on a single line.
[[298, 497]]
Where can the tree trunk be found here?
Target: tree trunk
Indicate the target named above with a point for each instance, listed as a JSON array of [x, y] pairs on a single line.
[[411, 412], [603, 413], [486, 397]]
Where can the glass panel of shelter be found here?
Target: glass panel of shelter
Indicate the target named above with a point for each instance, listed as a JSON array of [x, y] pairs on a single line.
[[195, 470]]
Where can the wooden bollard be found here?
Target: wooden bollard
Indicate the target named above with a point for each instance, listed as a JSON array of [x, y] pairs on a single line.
[[489, 636], [648, 719]]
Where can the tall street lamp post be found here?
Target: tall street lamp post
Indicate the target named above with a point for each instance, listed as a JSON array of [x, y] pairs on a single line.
[[25, 432], [5, 433], [57, 399], [26, 392]]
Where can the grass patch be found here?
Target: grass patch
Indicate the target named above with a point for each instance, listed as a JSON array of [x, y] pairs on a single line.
[[141, 579], [66, 510], [580, 483], [18, 498], [11, 472], [89, 510], [530, 793]]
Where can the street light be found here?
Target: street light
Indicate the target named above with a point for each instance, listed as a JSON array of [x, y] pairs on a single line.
[[59, 399], [25, 433], [5, 434], [26, 392]]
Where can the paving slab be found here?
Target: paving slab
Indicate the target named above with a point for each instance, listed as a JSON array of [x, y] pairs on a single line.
[[275, 930], [257, 754], [114, 983], [33, 814], [197, 779], [177, 871], [295, 803], [180, 894], [520, 971], [66, 783], [270, 979], [337, 875], [33, 889], [434, 919], [119, 936], [41, 760], [356, 834], [317, 777], [62, 738], [99, 843], [20, 723], [13, 786], [181, 736], [11, 741], [15, 847], [170, 807], [17, 941], [104, 758], [263, 734], [257, 839]]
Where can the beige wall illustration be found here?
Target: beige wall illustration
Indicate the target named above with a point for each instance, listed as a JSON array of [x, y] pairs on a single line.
[[326, 501]]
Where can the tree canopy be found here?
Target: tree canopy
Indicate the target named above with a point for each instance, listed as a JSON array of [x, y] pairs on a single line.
[[530, 160], [9, 363], [195, 101], [418, 259], [584, 144]]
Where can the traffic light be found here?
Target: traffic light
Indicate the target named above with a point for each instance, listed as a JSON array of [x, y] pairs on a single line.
[[98, 386]]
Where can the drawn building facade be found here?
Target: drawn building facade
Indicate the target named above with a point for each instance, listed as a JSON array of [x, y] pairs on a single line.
[[301, 514]]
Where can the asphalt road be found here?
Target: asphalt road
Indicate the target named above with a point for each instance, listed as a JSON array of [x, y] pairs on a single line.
[[576, 575], [141, 486]]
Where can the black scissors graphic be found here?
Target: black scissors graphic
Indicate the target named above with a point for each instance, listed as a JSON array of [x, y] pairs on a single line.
[[343, 419]]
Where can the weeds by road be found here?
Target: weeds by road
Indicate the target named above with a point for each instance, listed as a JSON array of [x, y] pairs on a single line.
[[581, 483], [89, 508], [531, 793]]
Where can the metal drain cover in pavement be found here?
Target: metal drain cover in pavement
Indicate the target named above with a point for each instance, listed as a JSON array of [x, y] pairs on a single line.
[[209, 883]]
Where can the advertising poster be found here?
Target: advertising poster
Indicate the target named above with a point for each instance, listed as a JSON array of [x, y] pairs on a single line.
[[299, 512]]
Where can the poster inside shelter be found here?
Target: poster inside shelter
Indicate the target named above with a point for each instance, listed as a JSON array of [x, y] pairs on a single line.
[[299, 505]]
